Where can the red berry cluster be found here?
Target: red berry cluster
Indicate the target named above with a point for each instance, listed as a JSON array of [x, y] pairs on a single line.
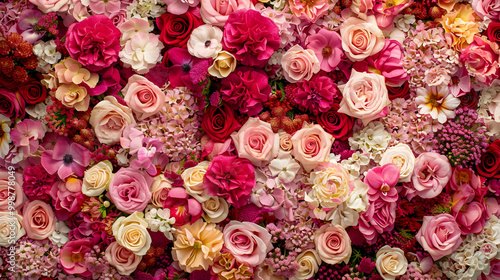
[[16, 58]]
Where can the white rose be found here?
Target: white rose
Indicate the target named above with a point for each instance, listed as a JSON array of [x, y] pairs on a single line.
[[97, 178], [309, 262], [402, 156], [131, 232], [10, 228], [193, 181], [216, 209], [391, 262]]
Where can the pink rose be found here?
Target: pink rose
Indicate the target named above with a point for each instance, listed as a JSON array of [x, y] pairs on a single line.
[[333, 244], [143, 97], [487, 8], [66, 202], [256, 142], [217, 12], [439, 235], [129, 190], [471, 218], [15, 187], [309, 11], [299, 64], [480, 59], [48, 6], [109, 118], [378, 218], [38, 220], [431, 173], [360, 38], [311, 145], [247, 242], [72, 257], [124, 260], [365, 96]]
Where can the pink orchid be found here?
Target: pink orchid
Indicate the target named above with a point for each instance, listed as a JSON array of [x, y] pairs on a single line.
[[382, 181], [182, 207], [66, 159]]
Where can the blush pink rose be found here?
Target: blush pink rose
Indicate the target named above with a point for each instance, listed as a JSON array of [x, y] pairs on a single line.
[[309, 10], [311, 145], [480, 59], [471, 218], [5, 193], [48, 6], [143, 97], [109, 118], [216, 12], [39, 220], [129, 190], [431, 173], [439, 235], [299, 64], [487, 8], [124, 260], [333, 244], [361, 38], [365, 96], [256, 142], [247, 242], [72, 257]]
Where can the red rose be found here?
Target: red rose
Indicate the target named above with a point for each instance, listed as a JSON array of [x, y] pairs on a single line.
[[494, 31], [11, 105], [176, 29], [219, 122], [490, 161], [33, 92], [339, 125], [399, 92], [470, 99]]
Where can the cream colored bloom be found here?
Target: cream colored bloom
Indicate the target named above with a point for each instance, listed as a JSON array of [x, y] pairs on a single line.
[[223, 65], [11, 228], [159, 190], [331, 185], [4, 135], [97, 178], [358, 200], [196, 245], [73, 96], [402, 156], [309, 262], [437, 101], [70, 71], [391, 262], [131, 232], [193, 180], [215, 209], [205, 41]]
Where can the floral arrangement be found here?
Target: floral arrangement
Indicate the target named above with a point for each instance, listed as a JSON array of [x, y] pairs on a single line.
[[250, 139]]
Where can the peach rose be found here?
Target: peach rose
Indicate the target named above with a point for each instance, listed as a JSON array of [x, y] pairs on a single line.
[[247, 242], [132, 233], [109, 118], [391, 262], [10, 228], [256, 142], [159, 190], [333, 244], [216, 12], [73, 96], [311, 145], [39, 220], [143, 97], [48, 6], [124, 260], [365, 96], [5, 183], [286, 144], [361, 38], [299, 64]]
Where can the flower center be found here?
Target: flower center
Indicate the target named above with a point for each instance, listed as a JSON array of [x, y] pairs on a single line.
[[68, 159], [385, 188], [186, 67], [207, 43], [327, 51], [76, 258]]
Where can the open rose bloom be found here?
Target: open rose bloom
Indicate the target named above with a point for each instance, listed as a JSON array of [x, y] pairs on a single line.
[[250, 139]]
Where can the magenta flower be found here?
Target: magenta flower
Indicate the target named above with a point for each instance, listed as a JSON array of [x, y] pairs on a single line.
[[182, 207], [185, 70], [316, 95], [68, 158], [382, 181], [72, 257], [327, 45]]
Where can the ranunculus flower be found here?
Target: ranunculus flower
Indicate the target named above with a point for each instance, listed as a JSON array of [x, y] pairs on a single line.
[[316, 95], [339, 125], [182, 206], [72, 257], [402, 156], [109, 118], [333, 244], [439, 235], [97, 178], [13, 189], [246, 89], [431, 173], [256, 141], [131, 232], [251, 37], [124, 260], [73, 96], [230, 177], [309, 11], [311, 145], [247, 242], [490, 161], [33, 92], [391, 262], [11, 105], [39, 220], [48, 6], [361, 38], [470, 218], [67, 202], [94, 42], [326, 45], [66, 159], [223, 65], [378, 218], [480, 59], [143, 97], [332, 185], [365, 96], [142, 52], [216, 12], [219, 122], [382, 181], [299, 64], [129, 190], [205, 41], [309, 262], [176, 29]]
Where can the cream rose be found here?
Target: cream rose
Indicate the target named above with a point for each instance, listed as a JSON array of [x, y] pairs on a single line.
[[333, 244], [365, 96], [215, 209], [332, 185], [402, 156], [361, 38], [97, 178], [309, 262], [299, 64], [124, 260], [143, 97], [131, 232], [311, 145], [10, 228], [159, 190], [109, 118], [193, 180], [48, 6], [223, 65], [391, 262]]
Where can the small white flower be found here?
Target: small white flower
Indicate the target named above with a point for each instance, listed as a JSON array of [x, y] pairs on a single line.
[[285, 167], [60, 235], [205, 41]]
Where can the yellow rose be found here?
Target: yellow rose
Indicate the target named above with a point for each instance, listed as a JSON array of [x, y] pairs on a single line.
[[131, 232], [332, 185], [97, 178], [223, 65], [73, 96]]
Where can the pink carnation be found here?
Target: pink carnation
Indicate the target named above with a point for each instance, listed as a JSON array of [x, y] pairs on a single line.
[[251, 37], [94, 42], [230, 177]]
